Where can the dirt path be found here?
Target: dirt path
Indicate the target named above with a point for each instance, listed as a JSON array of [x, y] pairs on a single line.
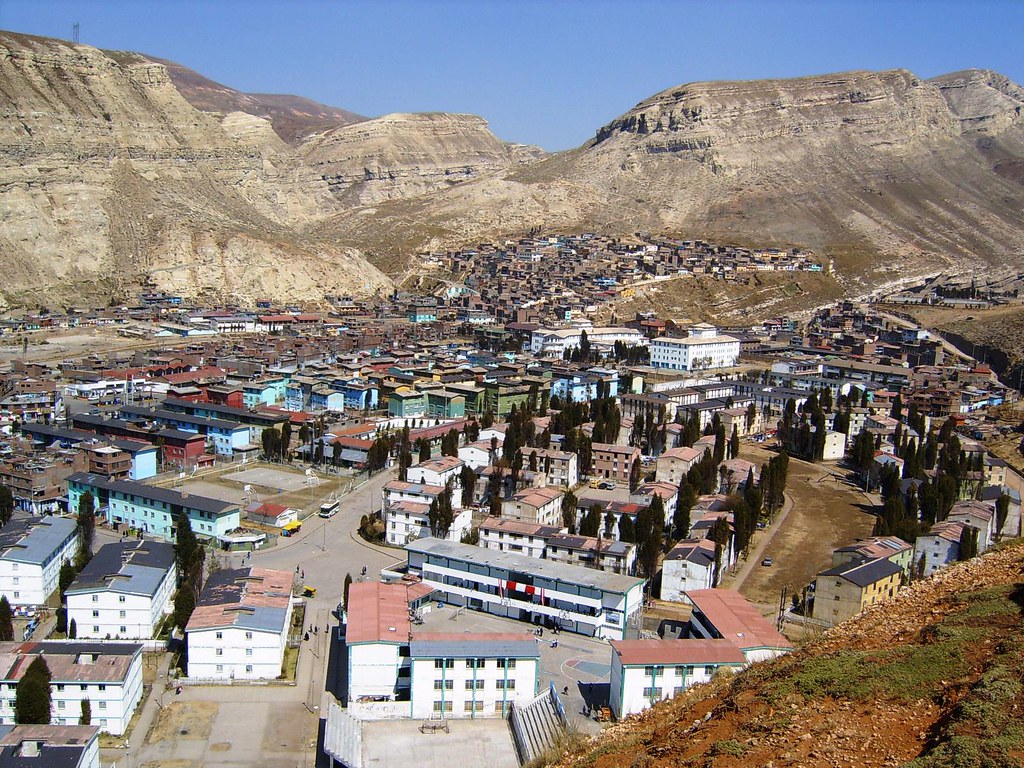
[[827, 512]]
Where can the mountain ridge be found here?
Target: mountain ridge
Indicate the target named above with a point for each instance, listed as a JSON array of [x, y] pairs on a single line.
[[883, 173]]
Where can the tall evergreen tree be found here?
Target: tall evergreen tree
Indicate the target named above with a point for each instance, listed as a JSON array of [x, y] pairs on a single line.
[[86, 718], [6, 505], [591, 522], [86, 526], [569, 502], [32, 701], [6, 620], [734, 443]]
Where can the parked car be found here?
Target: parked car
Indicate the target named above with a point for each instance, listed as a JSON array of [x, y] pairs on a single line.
[[767, 561]]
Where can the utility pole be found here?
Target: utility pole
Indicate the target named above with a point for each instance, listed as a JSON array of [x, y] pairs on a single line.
[[75, 29]]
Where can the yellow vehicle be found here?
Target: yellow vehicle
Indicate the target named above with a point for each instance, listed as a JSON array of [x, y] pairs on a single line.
[[595, 482], [292, 528], [308, 591]]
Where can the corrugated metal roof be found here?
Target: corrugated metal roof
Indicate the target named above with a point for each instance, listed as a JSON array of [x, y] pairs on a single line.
[[34, 540], [466, 646], [153, 493]]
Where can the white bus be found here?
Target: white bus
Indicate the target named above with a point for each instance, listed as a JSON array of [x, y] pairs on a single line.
[[330, 508]]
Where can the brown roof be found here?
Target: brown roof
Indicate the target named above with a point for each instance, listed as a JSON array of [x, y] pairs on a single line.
[[644, 652], [736, 618], [378, 613], [230, 595]]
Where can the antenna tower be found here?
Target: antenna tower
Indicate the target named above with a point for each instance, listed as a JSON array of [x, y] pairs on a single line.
[[74, 33]]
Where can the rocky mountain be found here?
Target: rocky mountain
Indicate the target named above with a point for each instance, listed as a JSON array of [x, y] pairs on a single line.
[[929, 679], [855, 165], [118, 170], [111, 178], [293, 118]]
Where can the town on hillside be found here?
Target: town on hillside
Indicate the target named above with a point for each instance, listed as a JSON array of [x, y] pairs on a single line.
[[400, 526]]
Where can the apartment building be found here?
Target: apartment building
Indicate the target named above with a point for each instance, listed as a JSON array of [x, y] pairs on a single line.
[[239, 628], [535, 505], [846, 590], [558, 467], [125, 592], [32, 551], [613, 462], [523, 538], [152, 509], [109, 675], [703, 349], [608, 555], [582, 600]]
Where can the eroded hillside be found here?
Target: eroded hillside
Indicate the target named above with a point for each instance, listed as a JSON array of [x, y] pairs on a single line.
[[932, 678]]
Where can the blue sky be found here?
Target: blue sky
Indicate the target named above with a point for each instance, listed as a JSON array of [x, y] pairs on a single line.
[[547, 73]]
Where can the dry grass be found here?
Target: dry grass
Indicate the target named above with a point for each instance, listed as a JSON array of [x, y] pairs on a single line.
[[179, 720]]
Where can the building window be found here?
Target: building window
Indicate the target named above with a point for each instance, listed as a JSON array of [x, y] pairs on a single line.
[[444, 685], [248, 635], [219, 652], [248, 667], [248, 651], [508, 685], [95, 614], [103, 705], [506, 663], [60, 687], [95, 629], [120, 598], [95, 598], [473, 706], [710, 669], [652, 693], [444, 663], [60, 705], [121, 614], [123, 630], [219, 635], [650, 671], [220, 667], [442, 706], [474, 684]]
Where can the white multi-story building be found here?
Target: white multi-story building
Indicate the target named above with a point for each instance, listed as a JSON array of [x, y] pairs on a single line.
[[471, 674], [645, 672], [394, 671], [552, 342], [559, 467], [68, 746], [608, 555], [517, 536], [703, 349], [124, 592], [479, 454], [109, 675], [535, 505], [436, 471], [406, 510], [31, 554], [239, 627], [689, 565], [939, 547], [582, 600]]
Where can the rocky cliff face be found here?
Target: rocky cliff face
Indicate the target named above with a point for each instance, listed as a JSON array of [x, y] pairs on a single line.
[[402, 155], [118, 170], [856, 165]]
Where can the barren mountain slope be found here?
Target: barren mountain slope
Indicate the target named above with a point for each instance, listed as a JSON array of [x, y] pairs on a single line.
[[856, 165], [110, 178], [293, 118], [932, 678]]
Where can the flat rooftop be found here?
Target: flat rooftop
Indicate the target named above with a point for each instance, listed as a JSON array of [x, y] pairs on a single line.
[[571, 574]]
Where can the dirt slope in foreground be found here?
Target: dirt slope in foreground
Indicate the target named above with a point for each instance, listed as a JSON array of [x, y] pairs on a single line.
[[930, 679]]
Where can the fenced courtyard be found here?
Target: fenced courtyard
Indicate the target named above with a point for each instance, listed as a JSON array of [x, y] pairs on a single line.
[[288, 486]]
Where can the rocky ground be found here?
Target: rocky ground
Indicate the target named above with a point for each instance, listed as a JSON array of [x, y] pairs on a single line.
[[932, 678]]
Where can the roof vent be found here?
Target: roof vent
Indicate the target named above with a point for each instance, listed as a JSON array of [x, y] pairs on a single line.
[[392, 629], [29, 748]]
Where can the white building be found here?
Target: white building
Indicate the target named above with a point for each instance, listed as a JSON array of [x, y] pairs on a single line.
[[48, 746], [31, 554], [939, 547], [535, 505], [517, 536], [436, 471], [471, 674], [552, 342], [689, 565], [478, 454], [394, 671], [406, 510], [703, 349], [726, 614], [645, 672], [582, 600], [109, 675], [125, 591], [559, 467], [239, 627]]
